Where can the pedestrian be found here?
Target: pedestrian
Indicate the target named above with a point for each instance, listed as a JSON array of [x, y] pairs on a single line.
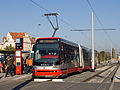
[[1, 67], [29, 64], [26, 65], [14, 67], [5, 63], [118, 61], [13, 64], [9, 66]]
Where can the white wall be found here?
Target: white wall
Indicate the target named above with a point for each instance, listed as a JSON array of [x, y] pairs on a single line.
[[27, 46], [26, 43]]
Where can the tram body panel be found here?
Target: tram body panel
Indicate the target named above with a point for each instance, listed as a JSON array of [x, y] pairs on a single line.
[[55, 57]]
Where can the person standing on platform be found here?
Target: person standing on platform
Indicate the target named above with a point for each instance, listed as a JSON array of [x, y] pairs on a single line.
[[13, 64], [9, 66], [25, 65], [5, 63], [1, 67], [29, 64]]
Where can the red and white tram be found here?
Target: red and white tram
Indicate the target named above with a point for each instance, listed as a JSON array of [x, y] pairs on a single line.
[[55, 57]]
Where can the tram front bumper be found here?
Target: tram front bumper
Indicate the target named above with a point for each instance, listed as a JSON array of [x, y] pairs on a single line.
[[46, 73]]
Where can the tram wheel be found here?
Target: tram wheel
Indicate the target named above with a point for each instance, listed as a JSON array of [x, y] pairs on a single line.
[[92, 70]]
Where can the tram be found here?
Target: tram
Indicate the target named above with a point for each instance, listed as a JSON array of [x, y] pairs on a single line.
[[55, 57]]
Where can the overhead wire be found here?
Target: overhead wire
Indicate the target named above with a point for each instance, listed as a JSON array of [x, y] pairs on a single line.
[[68, 24], [99, 21], [50, 12], [39, 6]]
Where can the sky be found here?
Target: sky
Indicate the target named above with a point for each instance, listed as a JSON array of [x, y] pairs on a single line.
[[24, 16]]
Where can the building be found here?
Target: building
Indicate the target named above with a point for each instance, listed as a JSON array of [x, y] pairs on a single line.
[[10, 39]]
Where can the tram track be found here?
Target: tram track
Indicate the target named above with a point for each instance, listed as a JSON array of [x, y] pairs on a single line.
[[88, 79], [108, 82], [108, 79]]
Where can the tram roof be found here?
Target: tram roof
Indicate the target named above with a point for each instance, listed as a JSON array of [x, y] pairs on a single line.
[[63, 40], [49, 38], [69, 42], [85, 48]]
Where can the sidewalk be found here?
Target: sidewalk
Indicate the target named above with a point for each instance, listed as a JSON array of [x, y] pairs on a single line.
[[15, 77], [2, 75]]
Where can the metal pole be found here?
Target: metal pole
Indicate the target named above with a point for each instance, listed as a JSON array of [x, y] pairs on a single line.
[[55, 28], [111, 51], [93, 57], [54, 32]]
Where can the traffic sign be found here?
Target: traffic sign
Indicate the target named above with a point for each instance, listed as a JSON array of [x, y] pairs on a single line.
[[19, 43]]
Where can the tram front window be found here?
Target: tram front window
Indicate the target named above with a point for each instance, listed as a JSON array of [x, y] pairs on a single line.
[[47, 57], [47, 52]]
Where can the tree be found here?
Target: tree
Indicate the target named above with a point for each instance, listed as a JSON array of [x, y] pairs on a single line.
[[113, 52], [9, 48], [107, 55], [102, 55]]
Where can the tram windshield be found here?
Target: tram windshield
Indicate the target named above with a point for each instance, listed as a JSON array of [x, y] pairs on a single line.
[[47, 53]]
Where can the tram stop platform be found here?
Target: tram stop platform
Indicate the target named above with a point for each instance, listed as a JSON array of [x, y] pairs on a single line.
[[15, 77]]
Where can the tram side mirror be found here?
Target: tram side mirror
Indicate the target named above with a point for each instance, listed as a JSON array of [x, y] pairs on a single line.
[[33, 48]]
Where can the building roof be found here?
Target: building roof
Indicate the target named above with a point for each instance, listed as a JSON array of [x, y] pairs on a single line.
[[17, 35], [21, 35], [4, 38], [32, 40]]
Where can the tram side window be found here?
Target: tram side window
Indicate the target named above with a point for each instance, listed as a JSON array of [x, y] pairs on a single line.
[[62, 53], [66, 57], [72, 53], [86, 57], [77, 55], [68, 53]]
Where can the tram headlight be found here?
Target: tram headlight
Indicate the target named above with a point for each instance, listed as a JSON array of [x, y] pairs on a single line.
[[56, 66], [34, 67]]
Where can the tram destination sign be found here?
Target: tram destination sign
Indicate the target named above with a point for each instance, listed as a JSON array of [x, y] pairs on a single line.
[[48, 41]]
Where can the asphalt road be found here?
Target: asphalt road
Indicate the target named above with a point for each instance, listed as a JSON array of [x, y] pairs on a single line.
[[13, 83], [30, 85], [73, 82]]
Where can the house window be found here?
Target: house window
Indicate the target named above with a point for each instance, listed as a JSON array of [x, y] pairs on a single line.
[[11, 45]]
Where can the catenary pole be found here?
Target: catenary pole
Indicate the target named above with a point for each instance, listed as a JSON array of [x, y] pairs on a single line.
[[93, 55]]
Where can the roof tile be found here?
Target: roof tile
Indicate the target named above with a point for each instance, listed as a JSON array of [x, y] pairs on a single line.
[[17, 35]]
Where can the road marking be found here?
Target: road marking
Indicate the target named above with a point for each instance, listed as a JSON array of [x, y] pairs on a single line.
[[41, 80], [57, 80]]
